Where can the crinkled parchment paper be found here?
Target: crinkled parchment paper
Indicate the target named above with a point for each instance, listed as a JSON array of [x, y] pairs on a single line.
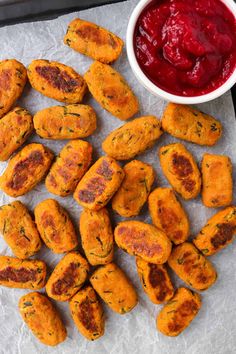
[[214, 329]]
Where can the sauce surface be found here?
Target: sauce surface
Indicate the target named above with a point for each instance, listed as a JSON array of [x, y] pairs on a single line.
[[187, 48]]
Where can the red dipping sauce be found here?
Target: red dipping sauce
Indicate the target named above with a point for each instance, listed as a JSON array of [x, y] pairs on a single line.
[[187, 48]]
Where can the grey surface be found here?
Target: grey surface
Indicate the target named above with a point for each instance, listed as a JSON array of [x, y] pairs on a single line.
[[213, 331], [33, 10]]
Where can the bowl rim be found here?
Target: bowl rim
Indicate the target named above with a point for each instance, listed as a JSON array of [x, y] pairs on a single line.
[[149, 85]]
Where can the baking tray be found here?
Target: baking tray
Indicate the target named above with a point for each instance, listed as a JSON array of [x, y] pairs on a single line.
[[213, 331]]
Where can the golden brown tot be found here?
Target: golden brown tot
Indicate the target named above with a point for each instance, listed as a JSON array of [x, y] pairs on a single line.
[[181, 170], [56, 80], [179, 312], [13, 77], [96, 236], [112, 285], [168, 215], [132, 138], [134, 189], [111, 91], [15, 128], [218, 232], [146, 241], [155, 280], [94, 41], [42, 318], [67, 277], [19, 230], [68, 169], [217, 181], [55, 226], [65, 122], [192, 267], [22, 274], [87, 313], [187, 123], [26, 169], [99, 184]]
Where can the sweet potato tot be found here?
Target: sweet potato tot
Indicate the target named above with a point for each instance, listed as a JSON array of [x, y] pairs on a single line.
[[155, 281], [132, 138], [179, 312], [192, 267], [181, 170], [19, 230], [218, 232], [68, 169], [112, 285], [87, 313], [99, 184], [134, 189], [56, 80], [168, 215], [217, 181], [42, 318], [94, 41], [15, 127], [26, 169], [96, 236], [187, 123], [111, 91], [146, 241]]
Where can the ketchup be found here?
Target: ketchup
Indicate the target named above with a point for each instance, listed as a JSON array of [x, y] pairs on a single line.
[[187, 48]]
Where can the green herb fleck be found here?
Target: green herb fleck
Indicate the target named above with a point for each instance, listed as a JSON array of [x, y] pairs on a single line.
[[171, 311], [164, 152], [74, 114], [213, 127], [180, 260]]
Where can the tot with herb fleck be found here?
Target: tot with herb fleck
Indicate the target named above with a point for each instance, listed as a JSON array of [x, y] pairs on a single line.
[[187, 123], [57, 81], [134, 190], [65, 122], [67, 277], [143, 240], [132, 138], [55, 226], [26, 169], [218, 232], [111, 91], [99, 184], [68, 169], [22, 274], [19, 230], [94, 41], [96, 236], [115, 289], [217, 181], [192, 267], [13, 77], [87, 313], [155, 280], [179, 312], [181, 170], [15, 127], [168, 215], [41, 317]]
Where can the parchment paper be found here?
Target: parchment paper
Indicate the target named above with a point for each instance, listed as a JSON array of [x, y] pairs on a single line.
[[214, 329]]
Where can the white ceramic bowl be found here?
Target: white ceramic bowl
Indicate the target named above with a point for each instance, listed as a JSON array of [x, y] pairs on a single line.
[[149, 85]]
